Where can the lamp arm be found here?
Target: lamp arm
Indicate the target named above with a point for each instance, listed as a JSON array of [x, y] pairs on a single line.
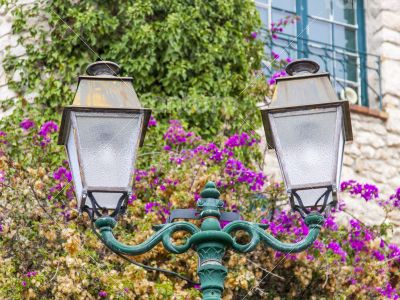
[[163, 234], [257, 234]]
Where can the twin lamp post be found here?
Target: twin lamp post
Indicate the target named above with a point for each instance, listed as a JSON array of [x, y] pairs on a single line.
[[306, 124]]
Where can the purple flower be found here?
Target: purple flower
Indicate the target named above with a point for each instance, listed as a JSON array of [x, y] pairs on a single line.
[[176, 135], [152, 122], [366, 191], [337, 249], [288, 59], [253, 35], [3, 137], [240, 140], [276, 75], [330, 223], [149, 207], [26, 124], [378, 255], [62, 174], [394, 251], [45, 130], [102, 294], [23, 283], [31, 274], [388, 291], [275, 55], [131, 199]]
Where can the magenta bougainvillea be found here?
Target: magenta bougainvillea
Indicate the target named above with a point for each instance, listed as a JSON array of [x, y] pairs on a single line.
[[363, 257]]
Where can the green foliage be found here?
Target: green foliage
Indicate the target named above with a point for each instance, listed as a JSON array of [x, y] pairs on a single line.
[[192, 58]]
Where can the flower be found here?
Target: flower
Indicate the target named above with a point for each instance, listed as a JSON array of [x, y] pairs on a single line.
[[253, 35], [378, 255], [102, 294], [240, 140], [275, 55], [337, 249], [2, 137], [26, 124], [152, 122], [176, 135], [366, 191], [62, 174], [46, 129], [276, 75], [149, 207], [388, 291]]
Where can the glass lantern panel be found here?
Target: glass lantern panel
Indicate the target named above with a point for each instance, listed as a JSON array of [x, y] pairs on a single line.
[[305, 144], [107, 200], [309, 197], [340, 157], [108, 144], [74, 164]]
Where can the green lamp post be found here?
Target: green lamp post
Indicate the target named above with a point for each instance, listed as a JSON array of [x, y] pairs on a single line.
[[104, 203]]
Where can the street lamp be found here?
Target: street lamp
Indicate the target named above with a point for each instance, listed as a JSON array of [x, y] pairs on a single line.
[[307, 125], [101, 131], [103, 127]]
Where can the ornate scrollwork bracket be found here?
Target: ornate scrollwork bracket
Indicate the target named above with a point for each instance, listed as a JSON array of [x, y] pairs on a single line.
[[210, 241]]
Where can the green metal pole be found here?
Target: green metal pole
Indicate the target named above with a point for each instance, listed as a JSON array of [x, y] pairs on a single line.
[[210, 244]]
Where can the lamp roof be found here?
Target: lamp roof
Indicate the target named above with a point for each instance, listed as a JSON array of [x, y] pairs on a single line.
[[304, 88], [103, 90]]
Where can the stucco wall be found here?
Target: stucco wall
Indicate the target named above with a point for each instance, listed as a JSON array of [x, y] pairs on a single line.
[[7, 41]]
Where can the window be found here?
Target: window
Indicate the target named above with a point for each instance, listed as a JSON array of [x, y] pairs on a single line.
[[332, 33]]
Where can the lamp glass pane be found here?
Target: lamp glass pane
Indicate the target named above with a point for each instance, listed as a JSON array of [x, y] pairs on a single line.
[[340, 157], [309, 197], [106, 200], [108, 144], [74, 164], [305, 144]]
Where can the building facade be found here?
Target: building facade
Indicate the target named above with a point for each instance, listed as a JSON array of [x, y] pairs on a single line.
[[358, 42]]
